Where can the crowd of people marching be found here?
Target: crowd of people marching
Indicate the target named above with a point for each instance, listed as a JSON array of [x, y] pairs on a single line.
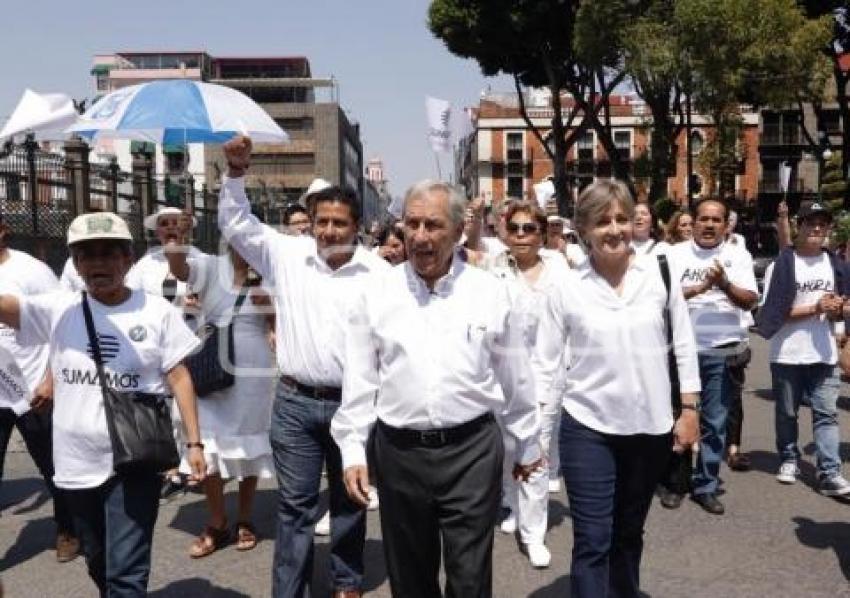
[[448, 375]]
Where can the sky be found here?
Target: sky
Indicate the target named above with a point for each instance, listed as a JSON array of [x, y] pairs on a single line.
[[380, 51]]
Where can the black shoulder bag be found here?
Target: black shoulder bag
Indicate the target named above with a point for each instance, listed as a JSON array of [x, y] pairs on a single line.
[[672, 367], [139, 423], [205, 364]]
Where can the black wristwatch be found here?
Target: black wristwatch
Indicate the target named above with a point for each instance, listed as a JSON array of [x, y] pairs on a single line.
[[191, 445], [691, 406]]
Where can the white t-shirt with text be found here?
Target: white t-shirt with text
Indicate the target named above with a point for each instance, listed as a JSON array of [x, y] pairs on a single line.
[[809, 340], [141, 340], [715, 319]]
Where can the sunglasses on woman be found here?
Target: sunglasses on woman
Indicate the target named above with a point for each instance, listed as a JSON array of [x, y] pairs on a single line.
[[527, 228]]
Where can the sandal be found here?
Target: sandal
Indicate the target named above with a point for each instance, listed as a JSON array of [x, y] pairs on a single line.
[[246, 536], [210, 540], [738, 462]]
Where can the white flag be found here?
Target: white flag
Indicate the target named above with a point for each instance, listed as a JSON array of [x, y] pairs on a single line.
[[439, 124], [784, 176], [14, 392], [544, 190]]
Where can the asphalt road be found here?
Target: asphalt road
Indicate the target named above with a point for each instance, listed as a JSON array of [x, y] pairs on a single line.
[[778, 541]]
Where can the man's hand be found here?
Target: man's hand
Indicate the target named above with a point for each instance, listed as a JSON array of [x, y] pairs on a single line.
[[782, 210], [42, 397], [831, 305], [357, 484], [521, 472], [237, 152], [685, 430], [198, 465], [716, 275]]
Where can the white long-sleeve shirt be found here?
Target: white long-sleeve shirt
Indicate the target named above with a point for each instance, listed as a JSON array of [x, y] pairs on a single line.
[[423, 359], [618, 380], [311, 299]]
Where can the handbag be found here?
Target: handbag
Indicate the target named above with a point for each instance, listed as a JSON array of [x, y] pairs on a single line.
[[139, 424], [205, 364], [672, 366]]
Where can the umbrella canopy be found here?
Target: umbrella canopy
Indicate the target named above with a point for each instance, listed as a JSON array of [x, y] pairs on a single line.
[[45, 114], [177, 112]]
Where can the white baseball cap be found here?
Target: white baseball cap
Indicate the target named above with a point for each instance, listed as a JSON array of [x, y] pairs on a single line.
[[99, 225], [151, 219]]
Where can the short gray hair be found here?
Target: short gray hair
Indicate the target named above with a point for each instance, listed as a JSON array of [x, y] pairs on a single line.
[[596, 199], [457, 202]]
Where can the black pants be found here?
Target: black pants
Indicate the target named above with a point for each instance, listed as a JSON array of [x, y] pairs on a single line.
[[735, 419], [680, 468], [609, 480], [36, 430], [433, 496]]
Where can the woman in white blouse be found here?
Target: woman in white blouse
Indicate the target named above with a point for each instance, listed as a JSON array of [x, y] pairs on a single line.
[[234, 421], [617, 428], [530, 272]]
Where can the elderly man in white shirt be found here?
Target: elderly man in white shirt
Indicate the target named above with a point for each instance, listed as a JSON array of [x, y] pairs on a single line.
[[314, 280], [432, 348]]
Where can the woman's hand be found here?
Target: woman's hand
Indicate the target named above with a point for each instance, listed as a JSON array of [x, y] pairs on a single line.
[[685, 430]]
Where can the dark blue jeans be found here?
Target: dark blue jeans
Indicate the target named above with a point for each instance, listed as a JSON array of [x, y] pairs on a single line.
[[714, 375], [610, 481], [301, 442], [115, 522]]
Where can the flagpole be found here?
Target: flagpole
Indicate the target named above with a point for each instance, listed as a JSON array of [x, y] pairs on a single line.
[[439, 170]]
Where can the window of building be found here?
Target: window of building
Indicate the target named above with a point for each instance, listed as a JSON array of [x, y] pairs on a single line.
[[102, 81], [513, 143], [697, 143], [830, 121], [515, 180], [175, 160], [283, 164], [297, 128], [623, 143]]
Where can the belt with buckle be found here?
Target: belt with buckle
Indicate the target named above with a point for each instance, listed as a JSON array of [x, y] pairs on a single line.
[[320, 393], [436, 437]]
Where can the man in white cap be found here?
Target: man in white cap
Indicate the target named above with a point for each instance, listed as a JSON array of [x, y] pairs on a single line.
[[151, 273]]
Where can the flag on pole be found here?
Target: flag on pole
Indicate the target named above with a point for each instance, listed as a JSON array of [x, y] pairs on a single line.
[[439, 124], [545, 191], [784, 176]]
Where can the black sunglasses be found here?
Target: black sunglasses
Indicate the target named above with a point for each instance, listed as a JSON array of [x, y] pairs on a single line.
[[527, 228]]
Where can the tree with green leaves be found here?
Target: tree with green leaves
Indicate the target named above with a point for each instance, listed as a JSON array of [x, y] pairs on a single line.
[[535, 42], [759, 52]]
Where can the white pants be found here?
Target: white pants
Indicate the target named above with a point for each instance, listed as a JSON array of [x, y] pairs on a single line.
[[529, 500]]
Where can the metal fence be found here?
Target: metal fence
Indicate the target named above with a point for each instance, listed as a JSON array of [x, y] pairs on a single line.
[[42, 191]]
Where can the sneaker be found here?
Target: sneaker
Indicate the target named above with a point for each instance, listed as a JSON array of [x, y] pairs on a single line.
[[788, 472], [172, 487], [554, 486], [538, 555], [508, 526], [834, 486], [67, 547], [709, 503], [373, 499], [323, 527]]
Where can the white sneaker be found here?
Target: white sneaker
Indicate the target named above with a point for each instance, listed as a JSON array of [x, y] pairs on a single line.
[[509, 524], [554, 486], [788, 472], [538, 555], [373, 499], [834, 486], [323, 527]]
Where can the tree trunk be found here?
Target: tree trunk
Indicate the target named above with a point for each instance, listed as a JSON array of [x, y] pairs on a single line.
[[662, 138], [559, 160], [841, 80]]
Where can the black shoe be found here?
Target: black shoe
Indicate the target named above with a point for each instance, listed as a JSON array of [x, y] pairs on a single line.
[[669, 499], [709, 503]]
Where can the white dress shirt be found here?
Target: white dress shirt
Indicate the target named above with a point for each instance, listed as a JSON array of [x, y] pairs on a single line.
[[618, 382], [311, 299], [423, 359], [152, 269], [529, 300]]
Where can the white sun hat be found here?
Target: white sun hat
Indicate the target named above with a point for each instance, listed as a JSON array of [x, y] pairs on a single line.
[[98, 225], [151, 219]]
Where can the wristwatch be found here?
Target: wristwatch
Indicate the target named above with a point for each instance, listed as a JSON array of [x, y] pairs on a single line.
[[691, 406], [191, 445]]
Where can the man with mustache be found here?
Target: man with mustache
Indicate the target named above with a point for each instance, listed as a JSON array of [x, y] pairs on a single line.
[[718, 281]]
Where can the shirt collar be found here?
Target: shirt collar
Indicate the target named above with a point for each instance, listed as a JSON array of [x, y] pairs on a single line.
[[358, 259], [586, 270], [443, 287]]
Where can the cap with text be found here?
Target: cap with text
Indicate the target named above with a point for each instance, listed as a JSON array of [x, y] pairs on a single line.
[[100, 225], [812, 208]]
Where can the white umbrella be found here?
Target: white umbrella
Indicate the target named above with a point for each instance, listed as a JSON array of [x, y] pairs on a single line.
[[177, 112], [45, 114]]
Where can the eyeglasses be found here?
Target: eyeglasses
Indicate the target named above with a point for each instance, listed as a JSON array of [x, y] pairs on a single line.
[[527, 228]]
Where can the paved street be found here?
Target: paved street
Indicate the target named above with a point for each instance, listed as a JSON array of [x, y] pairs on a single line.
[[774, 541]]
